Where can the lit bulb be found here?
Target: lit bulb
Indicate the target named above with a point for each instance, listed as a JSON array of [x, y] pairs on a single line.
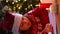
[[16, 1], [31, 4], [12, 2], [14, 7], [6, 0], [24, 0], [25, 8], [19, 7]]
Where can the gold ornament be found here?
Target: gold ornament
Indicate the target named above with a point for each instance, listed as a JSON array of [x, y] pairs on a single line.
[[16, 1]]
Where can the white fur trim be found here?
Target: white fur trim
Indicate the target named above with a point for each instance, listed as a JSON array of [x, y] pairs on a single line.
[[17, 21]]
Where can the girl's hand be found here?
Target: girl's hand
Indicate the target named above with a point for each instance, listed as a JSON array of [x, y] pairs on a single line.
[[48, 28]]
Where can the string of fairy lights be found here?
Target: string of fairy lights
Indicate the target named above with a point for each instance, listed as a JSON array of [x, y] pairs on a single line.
[[20, 5], [16, 4]]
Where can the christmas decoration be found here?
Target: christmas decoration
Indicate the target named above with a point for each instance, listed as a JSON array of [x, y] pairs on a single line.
[[21, 6]]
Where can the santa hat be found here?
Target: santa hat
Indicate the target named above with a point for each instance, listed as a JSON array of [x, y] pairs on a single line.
[[17, 22]]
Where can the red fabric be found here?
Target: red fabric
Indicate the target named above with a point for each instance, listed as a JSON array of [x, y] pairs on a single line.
[[8, 21], [33, 29], [44, 5], [40, 12]]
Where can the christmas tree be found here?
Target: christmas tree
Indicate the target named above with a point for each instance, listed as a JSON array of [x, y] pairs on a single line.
[[21, 6]]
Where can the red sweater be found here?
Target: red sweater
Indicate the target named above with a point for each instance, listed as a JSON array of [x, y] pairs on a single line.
[[40, 12]]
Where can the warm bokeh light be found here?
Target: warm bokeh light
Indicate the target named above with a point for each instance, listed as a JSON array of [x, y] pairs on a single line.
[[12, 2]]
